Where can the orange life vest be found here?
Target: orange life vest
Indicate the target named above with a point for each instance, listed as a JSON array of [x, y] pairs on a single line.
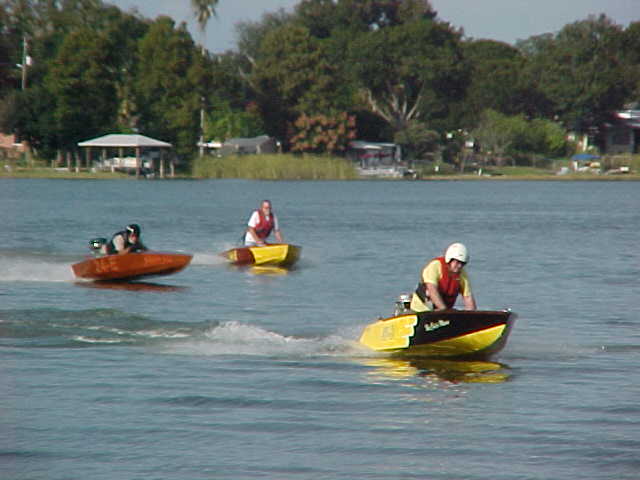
[[264, 226], [448, 285]]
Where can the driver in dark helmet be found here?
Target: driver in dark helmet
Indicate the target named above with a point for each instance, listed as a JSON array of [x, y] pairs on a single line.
[[126, 241]]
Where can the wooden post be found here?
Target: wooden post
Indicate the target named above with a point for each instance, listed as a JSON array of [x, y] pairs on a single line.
[[137, 163]]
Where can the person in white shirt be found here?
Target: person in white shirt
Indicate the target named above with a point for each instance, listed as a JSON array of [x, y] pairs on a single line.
[[261, 223]]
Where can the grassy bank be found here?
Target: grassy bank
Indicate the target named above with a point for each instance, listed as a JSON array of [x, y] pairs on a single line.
[[610, 168], [275, 167], [317, 167], [44, 172], [530, 173]]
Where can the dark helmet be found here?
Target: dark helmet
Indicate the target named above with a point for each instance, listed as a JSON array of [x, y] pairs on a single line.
[[133, 229]]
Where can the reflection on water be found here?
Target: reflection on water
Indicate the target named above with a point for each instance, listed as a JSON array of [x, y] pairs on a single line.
[[133, 286], [268, 270], [262, 269], [455, 371]]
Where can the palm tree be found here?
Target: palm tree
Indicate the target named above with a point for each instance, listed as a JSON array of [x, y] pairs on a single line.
[[203, 10]]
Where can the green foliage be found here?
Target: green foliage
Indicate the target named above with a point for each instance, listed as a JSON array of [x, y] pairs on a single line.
[[81, 79], [324, 17], [631, 51], [81, 51], [496, 133], [501, 137], [225, 84], [251, 34], [31, 114], [323, 133], [275, 167], [223, 123], [580, 71], [495, 81], [417, 141], [412, 71], [167, 100], [401, 71], [294, 66], [203, 10]]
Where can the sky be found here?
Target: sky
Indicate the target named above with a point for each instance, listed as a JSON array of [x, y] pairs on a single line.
[[502, 20]]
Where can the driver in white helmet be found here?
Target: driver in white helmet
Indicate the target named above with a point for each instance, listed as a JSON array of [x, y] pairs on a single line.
[[442, 280]]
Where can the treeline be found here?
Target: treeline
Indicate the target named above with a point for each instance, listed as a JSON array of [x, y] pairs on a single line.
[[315, 78]]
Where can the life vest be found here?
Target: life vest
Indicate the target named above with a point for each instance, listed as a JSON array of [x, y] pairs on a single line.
[[111, 246], [264, 226], [448, 285], [135, 247]]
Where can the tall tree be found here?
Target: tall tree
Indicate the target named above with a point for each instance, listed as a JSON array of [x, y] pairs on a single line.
[[495, 80], [168, 103], [631, 52], [580, 71], [203, 10], [81, 79], [411, 71], [293, 75], [324, 18]]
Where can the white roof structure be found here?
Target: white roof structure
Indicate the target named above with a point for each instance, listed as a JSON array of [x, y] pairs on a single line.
[[124, 140]]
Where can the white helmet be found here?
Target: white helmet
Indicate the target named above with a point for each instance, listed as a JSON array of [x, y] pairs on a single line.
[[456, 251]]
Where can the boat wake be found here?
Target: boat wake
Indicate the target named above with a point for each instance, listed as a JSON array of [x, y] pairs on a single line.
[[209, 259], [236, 338], [35, 267], [110, 327]]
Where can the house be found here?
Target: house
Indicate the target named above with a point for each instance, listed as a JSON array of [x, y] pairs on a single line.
[[147, 152], [374, 154], [10, 148], [377, 159], [622, 133], [244, 146]]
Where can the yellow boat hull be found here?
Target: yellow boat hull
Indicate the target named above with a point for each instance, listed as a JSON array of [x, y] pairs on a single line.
[[449, 333], [279, 254]]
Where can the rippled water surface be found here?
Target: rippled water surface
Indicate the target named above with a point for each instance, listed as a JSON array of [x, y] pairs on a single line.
[[226, 373]]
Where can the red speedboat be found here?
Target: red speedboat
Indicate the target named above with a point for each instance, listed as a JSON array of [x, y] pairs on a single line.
[[130, 266]]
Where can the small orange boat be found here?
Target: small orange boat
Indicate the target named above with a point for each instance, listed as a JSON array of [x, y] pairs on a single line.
[[130, 266], [280, 254]]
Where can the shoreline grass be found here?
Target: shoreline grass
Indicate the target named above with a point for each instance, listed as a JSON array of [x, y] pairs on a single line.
[[275, 167], [317, 167]]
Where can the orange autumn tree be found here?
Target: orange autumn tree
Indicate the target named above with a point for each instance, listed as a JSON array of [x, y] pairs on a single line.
[[323, 133]]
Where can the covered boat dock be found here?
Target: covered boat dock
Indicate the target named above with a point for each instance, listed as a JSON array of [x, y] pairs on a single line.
[[127, 142]]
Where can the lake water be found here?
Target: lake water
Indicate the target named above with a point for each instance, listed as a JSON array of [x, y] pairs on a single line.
[[224, 373]]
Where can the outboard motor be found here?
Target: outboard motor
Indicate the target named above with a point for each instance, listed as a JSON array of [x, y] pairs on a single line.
[[98, 246], [402, 305]]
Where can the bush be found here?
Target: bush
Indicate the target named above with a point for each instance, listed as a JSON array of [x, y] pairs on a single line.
[[524, 141], [275, 167]]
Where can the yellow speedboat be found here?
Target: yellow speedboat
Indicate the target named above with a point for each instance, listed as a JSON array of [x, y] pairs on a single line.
[[280, 254], [445, 333]]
